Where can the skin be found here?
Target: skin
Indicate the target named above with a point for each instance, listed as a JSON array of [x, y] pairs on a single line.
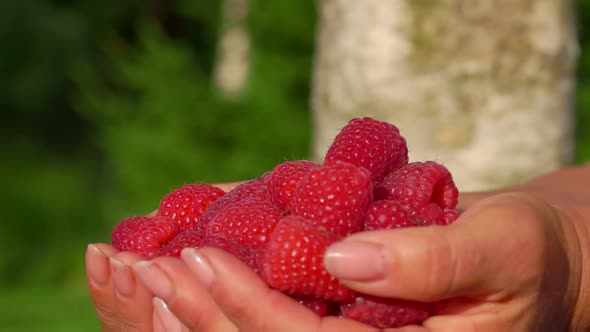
[[516, 260]]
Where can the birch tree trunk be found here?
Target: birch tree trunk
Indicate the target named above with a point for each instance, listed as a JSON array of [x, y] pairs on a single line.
[[483, 86], [233, 55]]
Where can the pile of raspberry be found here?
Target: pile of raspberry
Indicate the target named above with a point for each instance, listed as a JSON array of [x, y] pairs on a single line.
[[281, 223]]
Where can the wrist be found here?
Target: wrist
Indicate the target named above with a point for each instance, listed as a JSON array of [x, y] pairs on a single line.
[[576, 225]]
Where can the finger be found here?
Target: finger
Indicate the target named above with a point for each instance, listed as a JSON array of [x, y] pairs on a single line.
[[133, 301], [491, 249], [467, 200], [100, 284], [249, 303], [498, 320], [165, 320], [169, 279], [228, 186]]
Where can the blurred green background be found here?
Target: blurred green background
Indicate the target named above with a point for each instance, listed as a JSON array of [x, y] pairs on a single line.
[[108, 105]]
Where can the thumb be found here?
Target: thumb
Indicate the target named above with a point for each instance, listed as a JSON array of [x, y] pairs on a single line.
[[483, 252]]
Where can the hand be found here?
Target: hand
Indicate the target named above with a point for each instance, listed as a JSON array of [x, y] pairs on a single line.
[[510, 263], [215, 292], [122, 303]]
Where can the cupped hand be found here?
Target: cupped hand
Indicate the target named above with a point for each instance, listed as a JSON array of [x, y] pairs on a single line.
[[510, 263], [210, 285], [120, 301]]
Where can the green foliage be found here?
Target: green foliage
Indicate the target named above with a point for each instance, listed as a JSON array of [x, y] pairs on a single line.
[[162, 124], [55, 309], [583, 90]]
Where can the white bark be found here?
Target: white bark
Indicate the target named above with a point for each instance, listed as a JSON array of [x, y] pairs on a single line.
[[482, 86], [233, 55]]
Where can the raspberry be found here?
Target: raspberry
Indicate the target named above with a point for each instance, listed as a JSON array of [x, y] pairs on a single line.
[[281, 223], [255, 189], [244, 254], [449, 216], [292, 261], [247, 222], [186, 239], [387, 214], [419, 183], [386, 313], [188, 203], [122, 231], [144, 235], [425, 189], [366, 142], [334, 197], [320, 307], [432, 214], [284, 180]]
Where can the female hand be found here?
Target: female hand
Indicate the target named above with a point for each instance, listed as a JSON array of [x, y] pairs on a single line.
[[120, 301], [510, 263]]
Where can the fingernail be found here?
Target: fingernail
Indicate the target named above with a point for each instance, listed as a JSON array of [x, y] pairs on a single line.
[[153, 279], [165, 316], [356, 261], [198, 265], [97, 265], [122, 278]]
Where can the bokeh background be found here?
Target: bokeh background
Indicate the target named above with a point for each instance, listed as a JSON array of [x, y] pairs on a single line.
[[108, 105]]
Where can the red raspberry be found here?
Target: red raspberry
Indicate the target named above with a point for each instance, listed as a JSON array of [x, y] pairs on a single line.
[[386, 313], [143, 235], [432, 214], [419, 183], [375, 145], [334, 197], [284, 180], [449, 216], [425, 189], [320, 307], [121, 232], [186, 239], [265, 177], [247, 222], [292, 261], [255, 189], [387, 214], [244, 254], [188, 203]]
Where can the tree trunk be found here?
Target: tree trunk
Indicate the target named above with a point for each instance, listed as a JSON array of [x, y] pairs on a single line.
[[233, 55], [483, 86]]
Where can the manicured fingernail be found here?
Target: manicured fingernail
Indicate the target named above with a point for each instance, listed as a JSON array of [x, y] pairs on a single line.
[[97, 265], [122, 278], [356, 261], [165, 316], [153, 279], [198, 265]]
